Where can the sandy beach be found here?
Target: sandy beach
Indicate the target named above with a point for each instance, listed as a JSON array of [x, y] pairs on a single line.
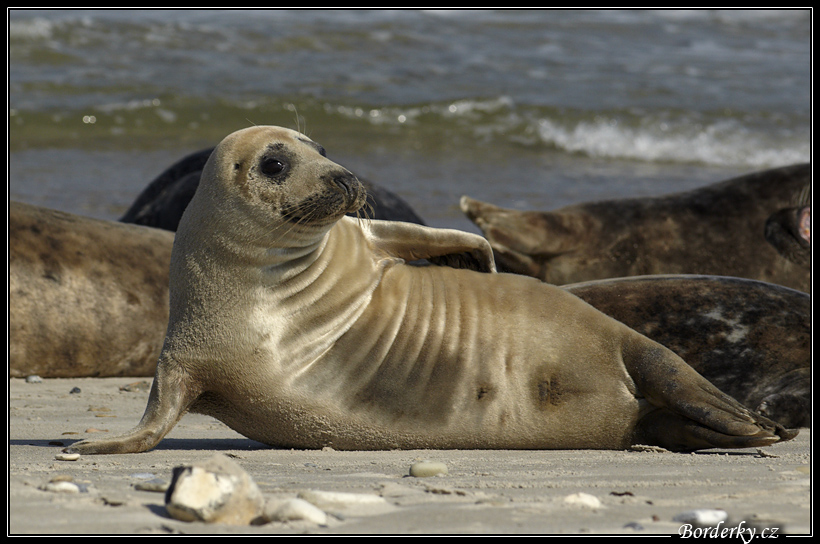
[[483, 492]]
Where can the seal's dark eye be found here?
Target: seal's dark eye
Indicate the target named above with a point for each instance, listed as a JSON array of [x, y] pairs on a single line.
[[271, 167]]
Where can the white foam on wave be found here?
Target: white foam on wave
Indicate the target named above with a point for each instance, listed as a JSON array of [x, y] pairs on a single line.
[[720, 143], [36, 28]]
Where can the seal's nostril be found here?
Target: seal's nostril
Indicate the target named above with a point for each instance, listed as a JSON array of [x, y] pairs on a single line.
[[347, 182], [343, 184]]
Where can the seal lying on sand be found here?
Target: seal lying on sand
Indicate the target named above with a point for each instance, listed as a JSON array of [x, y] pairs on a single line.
[[162, 202], [749, 338], [86, 297], [300, 327], [715, 230]]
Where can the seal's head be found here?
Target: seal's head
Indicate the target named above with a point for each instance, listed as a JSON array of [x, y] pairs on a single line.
[[278, 176]]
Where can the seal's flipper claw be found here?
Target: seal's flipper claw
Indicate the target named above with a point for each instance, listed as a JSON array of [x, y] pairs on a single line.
[[677, 433]]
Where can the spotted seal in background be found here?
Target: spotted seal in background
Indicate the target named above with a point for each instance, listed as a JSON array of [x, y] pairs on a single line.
[[749, 338]]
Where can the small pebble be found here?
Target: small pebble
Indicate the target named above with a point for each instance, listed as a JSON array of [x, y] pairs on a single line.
[[765, 454], [34, 378], [702, 517], [295, 510], [331, 499], [67, 456], [634, 525], [113, 501], [156, 485], [75, 390], [61, 487], [583, 499], [136, 386], [425, 469]]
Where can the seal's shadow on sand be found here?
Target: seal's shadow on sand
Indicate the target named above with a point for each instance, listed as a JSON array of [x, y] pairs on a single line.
[[220, 444], [224, 444]]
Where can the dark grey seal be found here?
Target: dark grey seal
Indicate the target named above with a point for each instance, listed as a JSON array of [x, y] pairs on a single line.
[[86, 297], [162, 202], [749, 338], [714, 230]]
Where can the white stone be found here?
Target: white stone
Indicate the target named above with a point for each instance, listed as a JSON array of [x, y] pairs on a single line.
[[295, 510], [215, 491], [67, 456], [583, 499], [425, 469], [704, 517], [338, 499], [61, 487]]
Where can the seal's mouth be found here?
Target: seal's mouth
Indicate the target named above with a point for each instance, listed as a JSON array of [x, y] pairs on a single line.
[[343, 194], [804, 223]]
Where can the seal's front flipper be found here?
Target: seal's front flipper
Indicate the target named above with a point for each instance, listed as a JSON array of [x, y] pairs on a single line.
[[445, 247], [691, 412], [168, 401]]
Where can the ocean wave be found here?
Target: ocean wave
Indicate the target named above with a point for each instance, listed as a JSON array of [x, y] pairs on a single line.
[[735, 139], [719, 142], [662, 136], [30, 29]]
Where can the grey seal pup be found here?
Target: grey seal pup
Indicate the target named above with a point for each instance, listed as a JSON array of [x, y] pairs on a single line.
[[300, 327]]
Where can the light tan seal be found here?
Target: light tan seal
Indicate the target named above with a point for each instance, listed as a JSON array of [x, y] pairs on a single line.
[[299, 327], [87, 297]]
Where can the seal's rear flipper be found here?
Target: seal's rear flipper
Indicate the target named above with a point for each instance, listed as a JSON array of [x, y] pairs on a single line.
[[674, 432], [691, 413]]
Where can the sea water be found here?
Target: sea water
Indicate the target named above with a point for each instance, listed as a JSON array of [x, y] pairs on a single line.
[[530, 109]]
